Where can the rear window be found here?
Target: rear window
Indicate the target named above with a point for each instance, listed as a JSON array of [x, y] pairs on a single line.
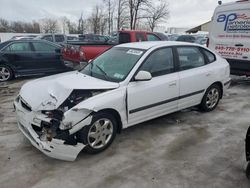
[[42, 46], [152, 37], [210, 56], [139, 37], [124, 38]]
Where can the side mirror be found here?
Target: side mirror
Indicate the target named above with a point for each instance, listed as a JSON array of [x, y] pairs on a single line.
[[143, 76]]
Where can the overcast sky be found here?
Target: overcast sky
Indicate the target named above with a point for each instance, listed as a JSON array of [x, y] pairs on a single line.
[[183, 13]]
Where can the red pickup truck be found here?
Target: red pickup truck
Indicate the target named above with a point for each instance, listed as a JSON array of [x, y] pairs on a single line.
[[83, 51]]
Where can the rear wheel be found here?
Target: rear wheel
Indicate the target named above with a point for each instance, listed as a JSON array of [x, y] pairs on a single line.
[[99, 135], [211, 98], [5, 73]]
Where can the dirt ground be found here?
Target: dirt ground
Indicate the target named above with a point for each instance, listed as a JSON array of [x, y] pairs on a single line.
[[187, 149]]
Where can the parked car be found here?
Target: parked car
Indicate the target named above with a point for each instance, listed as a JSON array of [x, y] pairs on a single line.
[[201, 40], [56, 38], [83, 52], [247, 148], [229, 35], [29, 57], [126, 85], [186, 38]]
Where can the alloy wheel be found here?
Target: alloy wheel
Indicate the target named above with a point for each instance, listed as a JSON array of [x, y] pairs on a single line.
[[100, 133], [4, 74], [212, 98]]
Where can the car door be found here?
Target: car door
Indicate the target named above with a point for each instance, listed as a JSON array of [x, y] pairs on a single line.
[[47, 59], [20, 56], [158, 96], [195, 75]]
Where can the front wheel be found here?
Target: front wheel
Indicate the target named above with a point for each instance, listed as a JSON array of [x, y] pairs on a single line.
[[211, 98], [99, 135]]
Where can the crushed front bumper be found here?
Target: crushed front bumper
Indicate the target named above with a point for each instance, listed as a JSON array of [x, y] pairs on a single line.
[[55, 148]]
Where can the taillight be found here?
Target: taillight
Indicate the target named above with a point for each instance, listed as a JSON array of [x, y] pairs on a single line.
[[82, 56], [207, 42]]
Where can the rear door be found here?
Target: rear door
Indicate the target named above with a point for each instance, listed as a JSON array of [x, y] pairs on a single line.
[[47, 59], [195, 75]]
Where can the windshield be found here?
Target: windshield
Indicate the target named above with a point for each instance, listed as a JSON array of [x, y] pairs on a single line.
[[113, 65]]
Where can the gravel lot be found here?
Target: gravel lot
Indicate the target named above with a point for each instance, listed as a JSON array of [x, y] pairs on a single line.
[[187, 149]]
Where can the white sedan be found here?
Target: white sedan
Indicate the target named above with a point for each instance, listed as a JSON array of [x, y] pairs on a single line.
[[128, 84]]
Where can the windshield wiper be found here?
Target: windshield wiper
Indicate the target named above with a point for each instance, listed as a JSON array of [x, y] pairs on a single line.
[[104, 73]]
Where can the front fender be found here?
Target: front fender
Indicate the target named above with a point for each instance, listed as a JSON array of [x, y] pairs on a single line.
[[114, 99]]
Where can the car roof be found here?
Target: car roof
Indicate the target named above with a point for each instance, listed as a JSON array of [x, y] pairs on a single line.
[[33, 40], [149, 44]]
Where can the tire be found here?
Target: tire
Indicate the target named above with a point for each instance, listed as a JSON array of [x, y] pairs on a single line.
[[5, 73], [248, 171], [95, 136], [211, 98]]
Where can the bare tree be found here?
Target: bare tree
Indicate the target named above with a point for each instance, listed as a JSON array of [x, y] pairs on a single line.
[[156, 14], [95, 20], [72, 27], [49, 25], [135, 6], [110, 5], [4, 25], [121, 13], [17, 27], [36, 27]]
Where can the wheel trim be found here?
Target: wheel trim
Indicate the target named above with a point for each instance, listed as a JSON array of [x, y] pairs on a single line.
[[212, 98], [4, 74], [100, 133]]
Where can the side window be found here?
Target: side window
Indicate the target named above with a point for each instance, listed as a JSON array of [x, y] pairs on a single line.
[[210, 56], [124, 38], [44, 47], [139, 37], [190, 57], [59, 38], [151, 37], [48, 37], [159, 62], [18, 47]]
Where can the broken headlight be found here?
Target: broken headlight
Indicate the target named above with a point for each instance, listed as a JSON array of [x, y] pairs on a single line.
[[78, 96]]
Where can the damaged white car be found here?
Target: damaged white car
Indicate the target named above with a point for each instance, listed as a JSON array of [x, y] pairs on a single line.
[[128, 84]]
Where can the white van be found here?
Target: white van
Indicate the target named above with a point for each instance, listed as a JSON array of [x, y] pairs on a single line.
[[230, 35]]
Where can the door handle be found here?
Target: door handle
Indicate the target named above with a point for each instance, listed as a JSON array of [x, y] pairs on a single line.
[[239, 45], [172, 84], [245, 57]]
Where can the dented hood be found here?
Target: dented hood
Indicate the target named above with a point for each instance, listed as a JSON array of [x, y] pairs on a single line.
[[50, 92]]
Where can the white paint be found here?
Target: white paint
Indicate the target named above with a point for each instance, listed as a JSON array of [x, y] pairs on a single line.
[[123, 97]]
